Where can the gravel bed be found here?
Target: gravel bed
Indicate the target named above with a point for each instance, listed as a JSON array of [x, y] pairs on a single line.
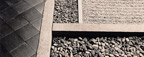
[[98, 47], [66, 11]]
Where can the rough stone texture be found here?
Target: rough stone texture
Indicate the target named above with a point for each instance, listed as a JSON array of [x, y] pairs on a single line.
[[132, 46], [20, 22], [66, 11]]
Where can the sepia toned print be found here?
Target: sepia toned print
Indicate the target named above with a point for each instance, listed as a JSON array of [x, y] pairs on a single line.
[[121, 20]]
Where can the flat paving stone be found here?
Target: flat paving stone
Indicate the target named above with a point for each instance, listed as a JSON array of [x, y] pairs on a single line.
[[27, 32], [23, 50], [8, 14], [18, 23], [11, 41], [33, 42], [5, 30], [32, 15], [21, 6]]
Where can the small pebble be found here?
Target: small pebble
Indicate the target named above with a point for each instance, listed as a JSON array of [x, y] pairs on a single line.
[[75, 40], [52, 47], [106, 56], [55, 44], [116, 48], [95, 46], [123, 40], [103, 50], [70, 48], [111, 55], [87, 52], [80, 38], [103, 44], [125, 55], [135, 56], [127, 39]]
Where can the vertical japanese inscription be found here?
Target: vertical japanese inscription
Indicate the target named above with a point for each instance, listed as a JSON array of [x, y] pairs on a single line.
[[113, 11]]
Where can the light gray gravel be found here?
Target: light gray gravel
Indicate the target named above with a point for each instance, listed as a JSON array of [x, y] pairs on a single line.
[[66, 11], [98, 47]]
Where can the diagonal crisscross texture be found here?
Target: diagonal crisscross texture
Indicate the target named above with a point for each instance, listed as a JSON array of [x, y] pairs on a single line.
[[20, 22]]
